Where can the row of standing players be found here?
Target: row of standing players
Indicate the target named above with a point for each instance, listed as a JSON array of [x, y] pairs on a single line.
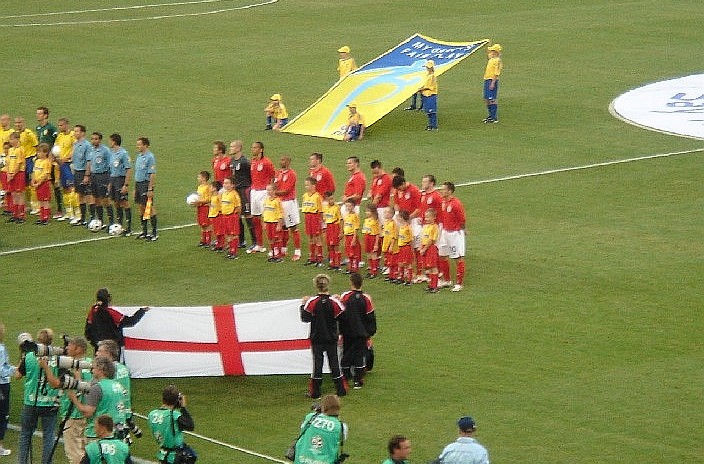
[[86, 177], [403, 224]]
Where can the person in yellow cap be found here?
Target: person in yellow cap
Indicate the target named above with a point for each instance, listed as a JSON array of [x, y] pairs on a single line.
[[355, 124], [346, 63], [276, 114], [491, 82], [429, 96]]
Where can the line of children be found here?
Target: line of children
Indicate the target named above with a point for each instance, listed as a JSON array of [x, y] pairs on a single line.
[[312, 209]]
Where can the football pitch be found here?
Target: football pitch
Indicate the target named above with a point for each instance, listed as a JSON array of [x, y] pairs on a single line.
[[577, 337]]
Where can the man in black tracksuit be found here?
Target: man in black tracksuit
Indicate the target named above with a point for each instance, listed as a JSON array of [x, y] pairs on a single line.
[[357, 324], [322, 311]]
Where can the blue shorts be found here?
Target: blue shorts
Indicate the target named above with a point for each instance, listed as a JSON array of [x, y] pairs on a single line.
[[353, 132], [491, 94], [29, 167], [282, 122], [430, 104], [66, 175]]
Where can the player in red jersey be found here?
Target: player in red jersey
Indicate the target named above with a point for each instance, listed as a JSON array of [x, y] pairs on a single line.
[[221, 162], [452, 239], [325, 182], [263, 173], [285, 184], [380, 194], [356, 184]]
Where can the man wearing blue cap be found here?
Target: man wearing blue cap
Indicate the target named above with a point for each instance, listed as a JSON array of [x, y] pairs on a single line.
[[464, 450]]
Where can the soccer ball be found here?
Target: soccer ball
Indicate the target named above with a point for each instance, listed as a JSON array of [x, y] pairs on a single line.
[[115, 229], [192, 199], [56, 150], [95, 225]]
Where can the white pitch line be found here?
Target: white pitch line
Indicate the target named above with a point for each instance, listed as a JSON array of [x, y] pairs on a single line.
[[148, 18], [84, 240], [227, 445], [578, 168], [463, 184]]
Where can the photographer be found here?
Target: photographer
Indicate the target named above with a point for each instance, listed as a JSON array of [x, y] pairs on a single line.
[[323, 435], [40, 399], [110, 349], [168, 423], [73, 423], [106, 323], [105, 396], [107, 449]]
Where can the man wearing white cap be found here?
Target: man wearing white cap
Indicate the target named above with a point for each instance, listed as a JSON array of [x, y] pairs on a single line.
[[429, 96], [491, 82], [346, 63], [464, 450]]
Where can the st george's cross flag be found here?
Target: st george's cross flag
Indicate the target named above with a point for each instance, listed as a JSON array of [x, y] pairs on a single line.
[[243, 339]]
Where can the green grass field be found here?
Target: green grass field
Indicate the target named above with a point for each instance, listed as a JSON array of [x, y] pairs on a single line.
[[577, 338]]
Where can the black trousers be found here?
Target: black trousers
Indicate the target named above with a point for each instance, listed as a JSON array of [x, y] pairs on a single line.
[[333, 362]]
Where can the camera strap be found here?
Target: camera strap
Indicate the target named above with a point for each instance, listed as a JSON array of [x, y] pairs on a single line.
[[305, 427]]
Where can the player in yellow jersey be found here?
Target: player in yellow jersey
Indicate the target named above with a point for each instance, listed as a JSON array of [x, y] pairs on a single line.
[[350, 228], [332, 217], [16, 180], [41, 182], [231, 206], [28, 142], [276, 113], [355, 124], [429, 95], [312, 209], [202, 207], [346, 63], [5, 128], [273, 217], [429, 250], [7, 206], [64, 146], [494, 66], [371, 231], [214, 217]]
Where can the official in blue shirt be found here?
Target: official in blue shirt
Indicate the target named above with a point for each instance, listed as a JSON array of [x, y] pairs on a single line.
[[99, 168], [120, 169], [79, 163], [465, 450], [144, 178]]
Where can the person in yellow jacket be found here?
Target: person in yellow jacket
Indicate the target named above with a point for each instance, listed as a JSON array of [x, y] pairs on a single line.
[[429, 96], [494, 66], [346, 63]]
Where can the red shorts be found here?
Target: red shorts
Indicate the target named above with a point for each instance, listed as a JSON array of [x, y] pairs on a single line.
[[390, 259], [332, 234], [44, 191], [17, 183], [202, 215], [352, 251], [430, 257], [313, 224], [3, 181], [369, 242], [405, 255], [231, 224], [217, 225], [271, 231]]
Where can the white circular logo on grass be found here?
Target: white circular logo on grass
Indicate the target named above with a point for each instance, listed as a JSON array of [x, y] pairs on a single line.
[[675, 106]]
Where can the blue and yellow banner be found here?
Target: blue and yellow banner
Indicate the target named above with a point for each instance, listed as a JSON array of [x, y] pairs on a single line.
[[380, 85]]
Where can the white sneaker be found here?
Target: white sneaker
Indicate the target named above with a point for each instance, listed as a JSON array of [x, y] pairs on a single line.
[[386, 271], [420, 279], [63, 218], [75, 221], [457, 288], [296, 255], [445, 284], [4, 451], [34, 212]]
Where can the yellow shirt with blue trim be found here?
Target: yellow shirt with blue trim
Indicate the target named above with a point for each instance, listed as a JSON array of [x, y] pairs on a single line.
[[430, 86], [493, 68], [15, 160], [65, 143], [371, 226], [28, 142]]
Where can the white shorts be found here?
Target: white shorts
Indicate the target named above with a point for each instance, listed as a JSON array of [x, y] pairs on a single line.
[[417, 229], [291, 215], [343, 209], [452, 244], [256, 201], [380, 212]]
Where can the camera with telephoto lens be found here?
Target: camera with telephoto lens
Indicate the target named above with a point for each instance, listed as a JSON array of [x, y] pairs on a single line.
[[134, 428], [67, 362], [27, 345], [67, 382], [122, 432]]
